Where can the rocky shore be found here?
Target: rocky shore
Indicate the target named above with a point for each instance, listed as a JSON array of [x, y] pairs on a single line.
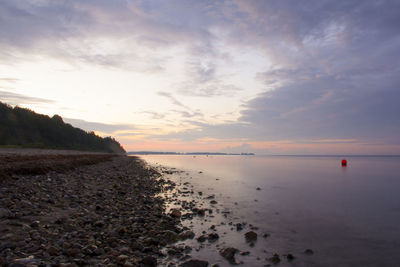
[[66, 209], [83, 210]]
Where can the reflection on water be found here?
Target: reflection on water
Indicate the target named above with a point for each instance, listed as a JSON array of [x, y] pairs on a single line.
[[350, 216]]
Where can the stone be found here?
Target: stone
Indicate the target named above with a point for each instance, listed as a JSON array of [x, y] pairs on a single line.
[[149, 261], [275, 259], [124, 250], [24, 261], [201, 238], [186, 235], [250, 236], [290, 257], [53, 251], [213, 237], [194, 263], [176, 213], [308, 251], [35, 224], [169, 236], [229, 254], [26, 203], [72, 252], [201, 212], [99, 223], [121, 259], [4, 213]]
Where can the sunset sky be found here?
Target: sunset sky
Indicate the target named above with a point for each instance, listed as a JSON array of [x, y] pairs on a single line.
[[268, 76]]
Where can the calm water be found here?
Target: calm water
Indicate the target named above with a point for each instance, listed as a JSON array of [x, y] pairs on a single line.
[[349, 216]]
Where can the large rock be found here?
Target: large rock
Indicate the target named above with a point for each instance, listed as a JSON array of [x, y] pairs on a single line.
[[201, 238], [168, 237], [4, 213], [149, 261], [250, 236], [175, 213], [194, 263], [213, 237], [186, 235], [229, 254], [275, 259], [121, 259], [53, 251]]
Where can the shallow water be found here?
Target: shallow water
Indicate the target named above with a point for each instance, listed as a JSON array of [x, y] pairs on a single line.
[[348, 216]]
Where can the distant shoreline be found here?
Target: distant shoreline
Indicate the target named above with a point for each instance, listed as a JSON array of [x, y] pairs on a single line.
[[188, 153], [248, 154]]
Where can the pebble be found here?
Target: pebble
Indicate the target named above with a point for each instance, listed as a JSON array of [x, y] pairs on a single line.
[[4, 213], [250, 236], [149, 261], [175, 213], [275, 259], [290, 257], [308, 251], [229, 254]]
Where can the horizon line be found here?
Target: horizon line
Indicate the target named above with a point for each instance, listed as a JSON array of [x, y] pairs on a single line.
[[255, 154]]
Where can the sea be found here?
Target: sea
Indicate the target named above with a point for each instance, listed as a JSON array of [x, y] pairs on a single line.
[[311, 207]]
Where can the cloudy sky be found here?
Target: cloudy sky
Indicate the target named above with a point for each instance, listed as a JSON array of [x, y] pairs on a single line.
[[268, 76]]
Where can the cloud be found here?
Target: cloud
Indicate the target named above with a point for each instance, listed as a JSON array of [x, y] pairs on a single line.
[[19, 99], [188, 114], [8, 80], [335, 75], [154, 115], [326, 108], [172, 99], [125, 34], [97, 126], [328, 69], [214, 88], [201, 72], [203, 79], [341, 86]]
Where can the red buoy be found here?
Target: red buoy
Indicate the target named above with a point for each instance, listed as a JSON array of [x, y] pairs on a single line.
[[344, 163]]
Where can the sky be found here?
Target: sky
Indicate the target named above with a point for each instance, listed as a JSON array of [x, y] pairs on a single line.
[[262, 76]]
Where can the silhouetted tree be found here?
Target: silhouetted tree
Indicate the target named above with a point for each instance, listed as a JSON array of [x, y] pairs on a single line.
[[21, 127]]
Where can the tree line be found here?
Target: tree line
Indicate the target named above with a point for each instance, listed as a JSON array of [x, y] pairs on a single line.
[[21, 127]]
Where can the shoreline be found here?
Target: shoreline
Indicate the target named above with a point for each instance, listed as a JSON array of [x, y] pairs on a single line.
[[220, 236], [98, 211], [227, 230], [82, 209]]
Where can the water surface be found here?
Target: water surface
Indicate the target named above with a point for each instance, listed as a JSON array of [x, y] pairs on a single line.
[[348, 216]]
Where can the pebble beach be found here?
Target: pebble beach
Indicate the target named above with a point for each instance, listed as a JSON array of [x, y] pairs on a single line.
[[67, 209]]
